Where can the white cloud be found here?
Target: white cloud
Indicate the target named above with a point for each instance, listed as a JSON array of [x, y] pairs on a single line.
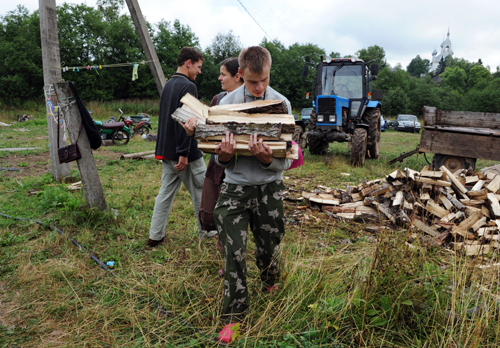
[[403, 28]]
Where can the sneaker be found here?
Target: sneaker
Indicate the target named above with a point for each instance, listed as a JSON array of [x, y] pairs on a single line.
[[206, 234], [229, 333], [270, 289], [152, 243]]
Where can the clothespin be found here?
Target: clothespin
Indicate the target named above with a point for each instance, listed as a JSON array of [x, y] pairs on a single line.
[[78, 69], [100, 66], [73, 68], [88, 67], [143, 62]]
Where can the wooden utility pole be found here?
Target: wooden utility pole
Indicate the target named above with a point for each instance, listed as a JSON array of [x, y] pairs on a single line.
[[91, 183], [147, 43], [52, 74]]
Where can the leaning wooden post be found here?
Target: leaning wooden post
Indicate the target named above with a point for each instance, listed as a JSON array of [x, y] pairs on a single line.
[[91, 183], [147, 43], [51, 74]]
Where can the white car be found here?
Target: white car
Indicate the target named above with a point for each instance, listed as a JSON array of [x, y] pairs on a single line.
[[407, 123]]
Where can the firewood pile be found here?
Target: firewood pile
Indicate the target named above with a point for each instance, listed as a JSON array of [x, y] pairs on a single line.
[[462, 207], [268, 118]]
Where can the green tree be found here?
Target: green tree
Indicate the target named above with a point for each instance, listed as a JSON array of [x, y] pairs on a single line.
[[374, 52], [455, 78], [225, 45], [286, 70], [422, 92], [388, 79], [21, 75], [395, 102], [418, 66], [479, 77]]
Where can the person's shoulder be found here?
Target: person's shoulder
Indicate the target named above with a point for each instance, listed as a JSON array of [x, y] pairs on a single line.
[[274, 94], [234, 97]]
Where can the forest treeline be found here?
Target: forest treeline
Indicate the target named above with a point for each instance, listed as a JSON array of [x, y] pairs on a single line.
[[101, 35]]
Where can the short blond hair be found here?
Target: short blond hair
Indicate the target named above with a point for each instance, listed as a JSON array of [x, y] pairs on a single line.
[[254, 58]]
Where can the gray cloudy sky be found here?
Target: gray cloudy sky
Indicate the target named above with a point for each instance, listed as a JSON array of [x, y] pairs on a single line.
[[403, 28]]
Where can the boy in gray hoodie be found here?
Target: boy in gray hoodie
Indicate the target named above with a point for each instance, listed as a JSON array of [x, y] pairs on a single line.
[[252, 192]]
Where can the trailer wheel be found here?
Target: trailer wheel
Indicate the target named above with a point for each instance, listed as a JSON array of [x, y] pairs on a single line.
[[357, 147], [453, 163], [373, 120]]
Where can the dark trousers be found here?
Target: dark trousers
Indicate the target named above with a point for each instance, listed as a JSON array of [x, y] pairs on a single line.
[[261, 206]]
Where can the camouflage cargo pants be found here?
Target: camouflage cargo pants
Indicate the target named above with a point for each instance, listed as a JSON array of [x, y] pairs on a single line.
[[261, 206]]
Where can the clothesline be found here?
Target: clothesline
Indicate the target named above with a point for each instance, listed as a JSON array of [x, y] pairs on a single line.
[[101, 66]]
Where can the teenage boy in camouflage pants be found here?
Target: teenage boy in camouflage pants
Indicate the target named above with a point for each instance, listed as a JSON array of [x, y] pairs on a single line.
[[252, 192]]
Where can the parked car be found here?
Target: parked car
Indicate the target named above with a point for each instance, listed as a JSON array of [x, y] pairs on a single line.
[[306, 115], [382, 123], [407, 123]]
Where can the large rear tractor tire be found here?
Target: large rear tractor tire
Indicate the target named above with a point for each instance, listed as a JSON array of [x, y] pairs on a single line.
[[373, 120], [317, 146], [453, 163], [357, 147]]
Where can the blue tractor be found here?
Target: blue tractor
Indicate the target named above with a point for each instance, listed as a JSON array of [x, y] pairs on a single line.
[[344, 109]]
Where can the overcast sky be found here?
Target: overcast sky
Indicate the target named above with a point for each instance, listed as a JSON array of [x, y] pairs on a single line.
[[403, 28]]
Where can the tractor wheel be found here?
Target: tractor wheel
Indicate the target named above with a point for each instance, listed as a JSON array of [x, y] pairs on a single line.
[[357, 147], [317, 146], [299, 136], [453, 163], [373, 120]]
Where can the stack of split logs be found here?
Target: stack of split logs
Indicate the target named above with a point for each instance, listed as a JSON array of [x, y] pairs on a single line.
[[268, 118], [462, 205]]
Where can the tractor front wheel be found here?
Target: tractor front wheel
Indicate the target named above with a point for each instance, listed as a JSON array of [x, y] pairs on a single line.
[[373, 120], [357, 147], [317, 145]]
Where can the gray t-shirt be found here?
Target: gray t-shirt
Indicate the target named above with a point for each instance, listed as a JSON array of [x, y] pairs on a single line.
[[247, 170]]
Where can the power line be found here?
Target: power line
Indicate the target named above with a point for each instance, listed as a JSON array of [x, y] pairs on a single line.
[[255, 20]]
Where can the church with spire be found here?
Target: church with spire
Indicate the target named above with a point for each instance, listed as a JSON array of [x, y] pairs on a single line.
[[446, 51]]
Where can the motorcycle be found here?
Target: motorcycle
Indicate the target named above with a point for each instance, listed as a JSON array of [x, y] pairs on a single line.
[[140, 124], [118, 132]]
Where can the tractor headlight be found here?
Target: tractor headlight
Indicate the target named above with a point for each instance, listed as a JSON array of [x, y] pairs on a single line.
[[354, 59], [320, 118]]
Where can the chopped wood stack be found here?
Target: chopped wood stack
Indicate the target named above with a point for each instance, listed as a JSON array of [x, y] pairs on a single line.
[[268, 118], [442, 204]]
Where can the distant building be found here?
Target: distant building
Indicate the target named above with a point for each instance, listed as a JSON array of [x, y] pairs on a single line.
[[445, 52]]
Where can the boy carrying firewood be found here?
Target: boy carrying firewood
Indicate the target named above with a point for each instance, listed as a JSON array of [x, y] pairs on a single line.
[[252, 194]]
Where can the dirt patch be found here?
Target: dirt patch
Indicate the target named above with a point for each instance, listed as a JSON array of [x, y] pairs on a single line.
[[6, 306], [36, 165]]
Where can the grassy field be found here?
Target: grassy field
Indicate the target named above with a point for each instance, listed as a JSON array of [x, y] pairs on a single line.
[[343, 284]]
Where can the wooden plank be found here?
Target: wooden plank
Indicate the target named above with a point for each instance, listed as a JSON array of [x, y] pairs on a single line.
[[433, 182], [470, 221], [471, 179], [337, 209], [495, 206], [356, 197], [486, 212], [467, 119], [431, 174], [464, 233], [446, 202], [434, 208], [257, 106], [397, 174], [200, 109], [367, 191], [407, 206], [453, 200], [284, 119], [322, 198], [454, 179], [398, 199], [478, 195], [279, 151], [494, 185], [475, 146], [386, 211], [245, 138], [423, 227], [450, 217], [478, 186], [480, 223], [411, 173]]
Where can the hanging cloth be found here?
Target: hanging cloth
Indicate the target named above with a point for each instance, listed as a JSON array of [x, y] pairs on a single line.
[[135, 75]]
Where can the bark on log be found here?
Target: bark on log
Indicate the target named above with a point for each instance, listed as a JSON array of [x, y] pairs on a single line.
[[453, 200], [205, 131]]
